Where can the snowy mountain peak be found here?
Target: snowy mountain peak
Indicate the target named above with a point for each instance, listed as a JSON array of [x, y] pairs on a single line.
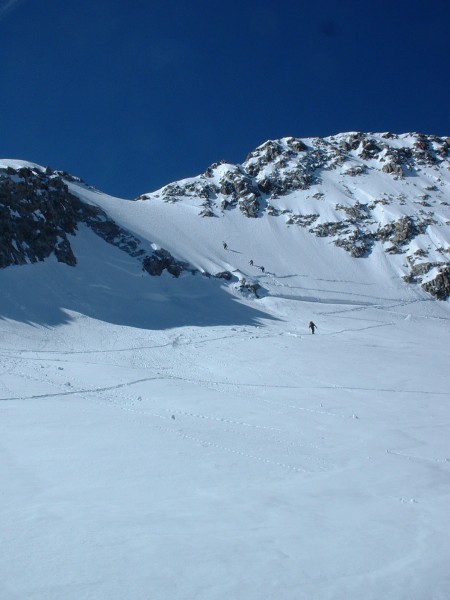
[[361, 193], [357, 189]]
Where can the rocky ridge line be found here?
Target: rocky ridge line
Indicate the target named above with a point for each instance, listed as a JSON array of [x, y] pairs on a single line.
[[280, 169], [38, 213]]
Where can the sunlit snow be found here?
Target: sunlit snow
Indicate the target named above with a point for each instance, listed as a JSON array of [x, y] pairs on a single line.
[[172, 439]]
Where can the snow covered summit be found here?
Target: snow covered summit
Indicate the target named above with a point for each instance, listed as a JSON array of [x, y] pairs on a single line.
[[357, 190]]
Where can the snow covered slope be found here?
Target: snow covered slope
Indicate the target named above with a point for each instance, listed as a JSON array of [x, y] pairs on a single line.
[[184, 435], [357, 191]]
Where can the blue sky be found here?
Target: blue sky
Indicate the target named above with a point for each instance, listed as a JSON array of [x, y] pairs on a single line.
[[130, 95]]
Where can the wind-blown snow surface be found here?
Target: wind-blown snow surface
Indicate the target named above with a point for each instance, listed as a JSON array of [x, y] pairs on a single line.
[[170, 439]]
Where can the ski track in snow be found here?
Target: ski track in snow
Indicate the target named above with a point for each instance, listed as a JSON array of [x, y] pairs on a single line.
[[414, 457], [213, 385], [293, 451], [122, 402], [114, 396]]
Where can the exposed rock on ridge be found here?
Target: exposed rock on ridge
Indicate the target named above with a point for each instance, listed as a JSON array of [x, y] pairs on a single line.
[[38, 213], [307, 181], [364, 192]]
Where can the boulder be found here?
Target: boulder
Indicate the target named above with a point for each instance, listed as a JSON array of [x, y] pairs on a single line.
[[162, 260], [439, 287]]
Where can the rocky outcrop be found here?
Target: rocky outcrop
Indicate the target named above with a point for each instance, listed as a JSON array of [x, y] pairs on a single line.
[[247, 287], [297, 168], [439, 287], [161, 260], [301, 220], [402, 232], [357, 243], [38, 214], [330, 228]]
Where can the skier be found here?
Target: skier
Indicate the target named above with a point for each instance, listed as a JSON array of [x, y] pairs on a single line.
[[312, 326], [262, 269], [225, 245], [251, 262]]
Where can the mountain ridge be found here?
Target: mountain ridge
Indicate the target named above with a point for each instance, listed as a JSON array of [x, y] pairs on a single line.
[[354, 190]]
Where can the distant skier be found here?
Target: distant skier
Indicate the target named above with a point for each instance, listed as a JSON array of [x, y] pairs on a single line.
[[225, 245], [312, 326], [262, 269], [251, 262]]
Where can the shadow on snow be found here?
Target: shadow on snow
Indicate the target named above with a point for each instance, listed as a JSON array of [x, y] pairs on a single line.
[[118, 292]]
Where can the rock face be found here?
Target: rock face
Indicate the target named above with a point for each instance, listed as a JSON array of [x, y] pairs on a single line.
[[440, 285], [359, 190], [38, 213], [162, 260]]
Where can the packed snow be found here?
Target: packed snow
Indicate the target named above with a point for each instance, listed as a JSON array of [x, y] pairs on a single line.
[[174, 439]]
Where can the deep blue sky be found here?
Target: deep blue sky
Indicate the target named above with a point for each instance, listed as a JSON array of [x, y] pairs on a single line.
[[132, 94]]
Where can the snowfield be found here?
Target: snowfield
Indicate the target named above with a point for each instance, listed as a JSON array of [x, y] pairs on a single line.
[[174, 439]]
